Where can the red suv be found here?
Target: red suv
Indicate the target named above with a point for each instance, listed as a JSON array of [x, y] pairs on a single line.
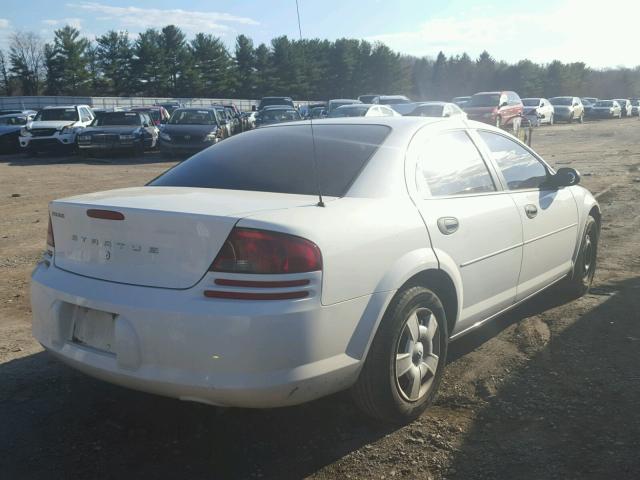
[[495, 108]]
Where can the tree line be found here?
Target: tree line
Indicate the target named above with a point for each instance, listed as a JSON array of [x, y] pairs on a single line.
[[165, 63]]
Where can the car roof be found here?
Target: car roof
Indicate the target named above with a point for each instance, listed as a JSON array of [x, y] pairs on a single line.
[[53, 107], [354, 100], [419, 104], [12, 115], [195, 109]]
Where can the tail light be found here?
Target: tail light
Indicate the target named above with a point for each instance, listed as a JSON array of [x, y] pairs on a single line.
[[260, 251], [50, 240]]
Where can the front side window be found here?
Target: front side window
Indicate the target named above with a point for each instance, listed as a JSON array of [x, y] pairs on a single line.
[[451, 165], [519, 167]]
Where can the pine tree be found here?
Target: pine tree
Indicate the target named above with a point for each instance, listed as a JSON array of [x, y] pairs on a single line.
[[244, 67], [212, 67], [114, 55], [67, 59]]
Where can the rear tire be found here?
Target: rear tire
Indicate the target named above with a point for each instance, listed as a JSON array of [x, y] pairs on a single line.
[[579, 281], [412, 336]]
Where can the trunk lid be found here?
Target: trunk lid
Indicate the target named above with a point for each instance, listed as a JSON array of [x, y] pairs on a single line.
[[169, 235]]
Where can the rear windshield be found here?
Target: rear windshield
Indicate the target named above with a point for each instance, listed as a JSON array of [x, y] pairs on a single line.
[[117, 118], [349, 111], [280, 159], [428, 111], [531, 102], [57, 114], [485, 100], [561, 101], [604, 103], [13, 120]]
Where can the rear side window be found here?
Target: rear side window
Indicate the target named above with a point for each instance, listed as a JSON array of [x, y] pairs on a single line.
[[280, 159], [519, 167], [452, 165]]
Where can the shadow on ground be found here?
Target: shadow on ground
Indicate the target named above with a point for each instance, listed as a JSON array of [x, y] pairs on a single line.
[[62, 157], [572, 412]]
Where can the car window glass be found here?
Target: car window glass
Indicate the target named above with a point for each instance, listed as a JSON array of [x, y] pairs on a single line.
[[451, 165], [518, 166], [85, 115], [269, 160]]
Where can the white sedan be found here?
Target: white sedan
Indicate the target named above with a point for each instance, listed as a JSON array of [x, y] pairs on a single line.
[[229, 281]]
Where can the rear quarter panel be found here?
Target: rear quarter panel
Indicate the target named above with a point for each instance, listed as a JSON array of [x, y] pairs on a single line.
[[368, 245]]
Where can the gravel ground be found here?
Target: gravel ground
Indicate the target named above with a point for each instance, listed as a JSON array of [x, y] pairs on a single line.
[[549, 390]]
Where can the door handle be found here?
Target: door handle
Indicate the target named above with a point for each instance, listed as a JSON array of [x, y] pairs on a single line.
[[531, 210], [448, 225]]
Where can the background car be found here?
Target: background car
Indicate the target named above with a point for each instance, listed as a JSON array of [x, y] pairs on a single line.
[[567, 109], [119, 131], [436, 109], [190, 130], [338, 102], [275, 101], [494, 108], [460, 101], [591, 100], [277, 114], [158, 113], [10, 126], [588, 105], [538, 110], [363, 110], [55, 127], [625, 106], [606, 109], [239, 121], [635, 107]]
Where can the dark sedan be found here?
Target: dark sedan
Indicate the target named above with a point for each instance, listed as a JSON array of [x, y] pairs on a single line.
[[190, 130], [10, 126], [119, 131]]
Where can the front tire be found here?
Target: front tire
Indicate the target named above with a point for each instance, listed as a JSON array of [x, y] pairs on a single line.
[[581, 119], [551, 120], [498, 122], [580, 280], [406, 361]]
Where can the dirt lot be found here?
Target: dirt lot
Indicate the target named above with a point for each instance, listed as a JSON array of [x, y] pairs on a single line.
[[551, 390]]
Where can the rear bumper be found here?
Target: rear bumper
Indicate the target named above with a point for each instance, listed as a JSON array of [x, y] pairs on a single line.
[[180, 344]]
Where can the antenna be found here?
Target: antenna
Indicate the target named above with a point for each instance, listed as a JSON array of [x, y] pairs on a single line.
[[313, 137]]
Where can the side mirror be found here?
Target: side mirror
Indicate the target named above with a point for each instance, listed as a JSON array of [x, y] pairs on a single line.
[[565, 177]]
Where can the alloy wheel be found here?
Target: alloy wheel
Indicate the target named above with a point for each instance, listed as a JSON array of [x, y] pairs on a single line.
[[417, 354]]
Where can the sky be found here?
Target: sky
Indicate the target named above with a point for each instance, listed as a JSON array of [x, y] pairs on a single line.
[[590, 31]]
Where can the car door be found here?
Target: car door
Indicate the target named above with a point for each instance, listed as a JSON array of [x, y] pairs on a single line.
[[474, 227], [549, 215]]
